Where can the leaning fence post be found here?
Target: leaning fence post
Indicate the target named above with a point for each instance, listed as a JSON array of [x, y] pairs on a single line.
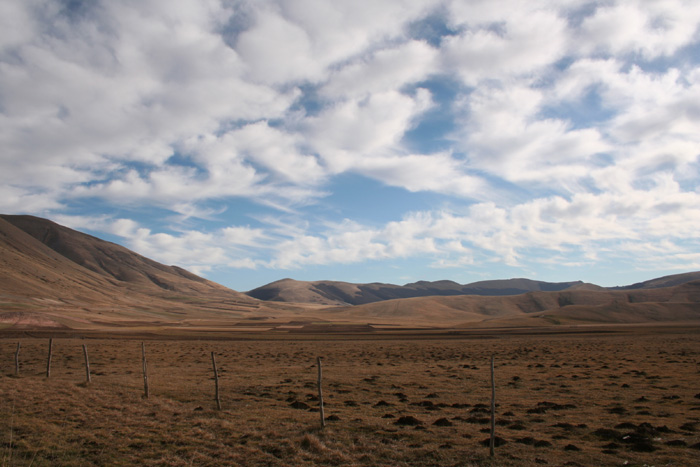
[[320, 392], [216, 382], [87, 364], [48, 361], [19, 344], [145, 370], [492, 441]]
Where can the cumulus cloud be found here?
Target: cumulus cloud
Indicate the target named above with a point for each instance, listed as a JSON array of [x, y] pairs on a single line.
[[356, 128], [642, 224], [555, 225], [439, 173], [572, 132], [509, 47], [385, 70], [504, 136], [652, 29], [279, 152]]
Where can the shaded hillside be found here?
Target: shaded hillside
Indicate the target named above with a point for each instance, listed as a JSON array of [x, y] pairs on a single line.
[[345, 293]]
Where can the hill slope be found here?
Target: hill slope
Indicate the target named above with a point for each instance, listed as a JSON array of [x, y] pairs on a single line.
[[114, 262], [72, 278], [576, 306], [665, 281], [52, 276], [345, 293]]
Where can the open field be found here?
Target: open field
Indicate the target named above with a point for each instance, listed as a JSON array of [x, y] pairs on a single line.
[[618, 396]]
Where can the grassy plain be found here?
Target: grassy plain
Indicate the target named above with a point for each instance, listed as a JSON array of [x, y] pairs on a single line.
[[627, 396]]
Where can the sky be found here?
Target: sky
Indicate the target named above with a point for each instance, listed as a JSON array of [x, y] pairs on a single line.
[[361, 140]]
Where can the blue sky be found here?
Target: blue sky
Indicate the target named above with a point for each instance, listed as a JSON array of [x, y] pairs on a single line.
[[361, 141]]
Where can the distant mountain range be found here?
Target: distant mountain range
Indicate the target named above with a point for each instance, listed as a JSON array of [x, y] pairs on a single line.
[[345, 293], [58, 278], [680, 303]]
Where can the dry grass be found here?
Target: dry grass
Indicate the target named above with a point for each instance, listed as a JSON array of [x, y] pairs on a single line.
[[598, 399]]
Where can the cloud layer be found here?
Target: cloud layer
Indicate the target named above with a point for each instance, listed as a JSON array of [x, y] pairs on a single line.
[[213, 134]]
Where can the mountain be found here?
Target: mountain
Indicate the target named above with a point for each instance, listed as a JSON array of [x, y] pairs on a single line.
[[345, 293], [679, 304], [665, 281], [334, 293], [55, 276], [113, 262]]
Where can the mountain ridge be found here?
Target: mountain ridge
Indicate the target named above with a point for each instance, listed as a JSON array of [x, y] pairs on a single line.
[[338, 293], [535, 309], [58, 278]]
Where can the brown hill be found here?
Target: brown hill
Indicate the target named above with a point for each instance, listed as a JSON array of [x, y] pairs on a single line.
[[345, 293], [665, 281], [56, 276], [575, 306], [113, 261]]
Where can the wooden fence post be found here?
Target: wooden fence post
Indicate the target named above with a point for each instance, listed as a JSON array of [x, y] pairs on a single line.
[[145, 370], [87, 364], [19, 344], [320, 392], [216, 382], [492, 442], [48, 361]]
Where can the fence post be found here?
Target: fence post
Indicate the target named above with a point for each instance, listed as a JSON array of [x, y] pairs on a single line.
[[492, 441], [216, 382], [320, 392], [19, 344], [145, 370], [48, 361], [87, 364]]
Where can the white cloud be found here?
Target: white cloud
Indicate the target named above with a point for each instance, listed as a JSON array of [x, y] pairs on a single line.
[[194, 250], [344, 29], [244, 236], [347, 132], [439, 173], [368, 125], [581, 76], [123, 83], [572, 126], [655, 105], [276, 150], [278, 51], [503, 45], [557, 226], [386, 70], [650, 28], [17, 25], [301, 40], [505, 137], [364, 136], [15, 199]]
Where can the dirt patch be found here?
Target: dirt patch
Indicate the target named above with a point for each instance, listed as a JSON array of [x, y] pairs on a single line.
[[29, 320]]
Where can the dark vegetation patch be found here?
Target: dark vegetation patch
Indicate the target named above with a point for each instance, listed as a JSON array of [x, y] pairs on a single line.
[[408, 420]]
